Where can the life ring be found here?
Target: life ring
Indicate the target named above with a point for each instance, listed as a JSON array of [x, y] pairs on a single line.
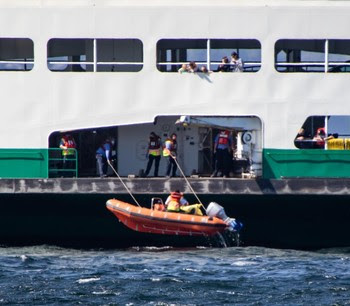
[[247, 137]]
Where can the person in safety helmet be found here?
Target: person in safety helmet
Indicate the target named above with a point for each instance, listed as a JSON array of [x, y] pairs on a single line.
[[174, 201], [153, 153]]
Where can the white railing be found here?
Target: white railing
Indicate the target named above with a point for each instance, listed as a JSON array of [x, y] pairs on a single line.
[[327, 66], [16, 65], [93, 63], [313, 64], [17, 62], [207, 64]]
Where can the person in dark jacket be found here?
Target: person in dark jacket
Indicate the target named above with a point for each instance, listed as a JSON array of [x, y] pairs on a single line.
[[103, 156], [153, 153]]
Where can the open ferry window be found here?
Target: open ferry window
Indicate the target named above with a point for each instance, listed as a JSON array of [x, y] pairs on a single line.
[[324, 132], [16, 54], [95, 55], [312, 55], [208, 53]]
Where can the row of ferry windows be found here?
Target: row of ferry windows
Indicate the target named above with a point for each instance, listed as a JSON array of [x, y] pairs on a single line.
[[126, 55]]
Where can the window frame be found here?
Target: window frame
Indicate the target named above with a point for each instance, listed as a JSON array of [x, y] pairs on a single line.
[[327, 65], [26, 61], [94, 63], [208, 63]]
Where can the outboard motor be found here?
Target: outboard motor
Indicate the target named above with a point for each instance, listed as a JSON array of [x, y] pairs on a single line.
[[215, 210]]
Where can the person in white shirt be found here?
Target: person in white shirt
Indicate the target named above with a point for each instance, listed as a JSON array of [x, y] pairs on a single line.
[[236, 63]]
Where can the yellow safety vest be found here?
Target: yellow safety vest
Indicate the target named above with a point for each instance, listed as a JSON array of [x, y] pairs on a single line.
[[166, 152], [173, 206], [154, 146]]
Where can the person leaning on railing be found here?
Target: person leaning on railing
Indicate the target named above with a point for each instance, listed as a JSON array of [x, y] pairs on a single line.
[[224, 66], [193, 67], [184, 69], [236, 63]]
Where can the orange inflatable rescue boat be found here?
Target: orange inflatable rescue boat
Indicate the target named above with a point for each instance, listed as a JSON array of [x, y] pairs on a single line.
[[171, 223]]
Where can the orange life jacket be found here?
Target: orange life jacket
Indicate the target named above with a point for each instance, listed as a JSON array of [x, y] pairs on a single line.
[[69, 142], [320, 142], [223, 137], [176, 196], [174, 203]]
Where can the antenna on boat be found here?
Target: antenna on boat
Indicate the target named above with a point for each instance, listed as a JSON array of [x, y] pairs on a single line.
[[183, 174], [126, 187]]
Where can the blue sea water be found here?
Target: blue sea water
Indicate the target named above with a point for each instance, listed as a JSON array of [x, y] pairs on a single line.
[[45, 275]]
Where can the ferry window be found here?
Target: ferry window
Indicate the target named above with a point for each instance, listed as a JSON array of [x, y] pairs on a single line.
[[324, 132], [317, 55], [70, 55], [208, 53], [124, 55], [339, 55], [305, 138], [16, 54], [299, 55], [95, 55]]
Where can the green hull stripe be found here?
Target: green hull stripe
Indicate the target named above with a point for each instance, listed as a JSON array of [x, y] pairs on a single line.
[[279, 163], [23, 163]]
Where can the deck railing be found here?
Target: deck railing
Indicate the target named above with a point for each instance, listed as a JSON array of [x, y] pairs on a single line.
[[62, 166]]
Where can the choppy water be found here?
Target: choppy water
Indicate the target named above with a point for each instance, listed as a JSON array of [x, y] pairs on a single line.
[[162, 276]]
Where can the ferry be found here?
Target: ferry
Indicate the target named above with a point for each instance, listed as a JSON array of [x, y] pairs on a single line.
[[112, 69]]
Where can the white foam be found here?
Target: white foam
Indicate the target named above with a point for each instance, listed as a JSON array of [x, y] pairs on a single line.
[[100, 292], [242, 263], [88, 280]]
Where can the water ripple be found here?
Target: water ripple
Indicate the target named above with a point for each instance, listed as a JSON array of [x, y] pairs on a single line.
[[167, 276]]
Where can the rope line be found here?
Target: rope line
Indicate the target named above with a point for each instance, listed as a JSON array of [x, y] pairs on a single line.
[[183, 174], [126, 187]]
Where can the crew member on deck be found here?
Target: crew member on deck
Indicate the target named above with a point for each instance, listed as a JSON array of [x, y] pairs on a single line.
[[103, 156], [153, 154], [170, 152], [222, 151], [68, 146]]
